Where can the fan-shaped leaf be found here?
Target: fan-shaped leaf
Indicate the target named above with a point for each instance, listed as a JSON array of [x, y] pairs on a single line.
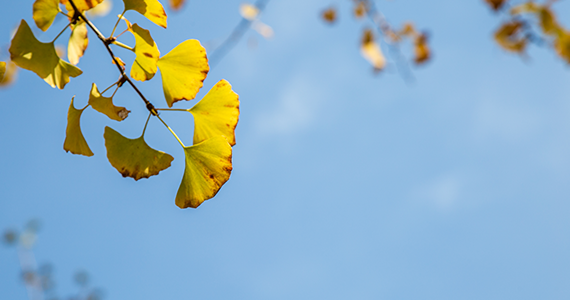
[[371, 51], [151, 9], [508, 37], [329, 15], [45, 12], [10, 74], [176, 4], [41, 58], [216, 114], [74, 140], [78, 42], [147, 53], [133, 157], [100, 10], [105, 105], [562, 46], [2, 70], [208, 167], [421, 49], [183, 70]]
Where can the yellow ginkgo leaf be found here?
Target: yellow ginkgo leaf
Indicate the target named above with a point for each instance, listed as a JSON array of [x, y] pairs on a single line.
[[78, 42], [371, 51], [105, 105], [183, 70], [82, 5], [562, 46], [74, 140], [508, 36], [45, 12], [248, 11], [147, 53], [360, 9], [421, 49], [216, 114], [176, 4], [208, 167], [151, 9], [9, 75], [2, 70], [133, 157], [41, 58], [101, 10], [548, 22]]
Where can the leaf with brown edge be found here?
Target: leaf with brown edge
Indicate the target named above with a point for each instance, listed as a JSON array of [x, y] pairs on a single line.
[[496, 4], [82, 5], [41, 58], [74, 140], [2, 70], [217, 114], [78, 42], [183, 70], [176, 4], [151, 9], [208, 167], [147, 54], [105, 105], [45, 12], [133, 157], [508, 36]]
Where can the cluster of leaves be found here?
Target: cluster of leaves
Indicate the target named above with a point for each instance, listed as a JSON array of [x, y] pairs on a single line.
[[183, 70], [40, 280], [530, 22], [369, 47]]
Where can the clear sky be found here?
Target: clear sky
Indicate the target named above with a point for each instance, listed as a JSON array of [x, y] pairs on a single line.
[[346, 185]]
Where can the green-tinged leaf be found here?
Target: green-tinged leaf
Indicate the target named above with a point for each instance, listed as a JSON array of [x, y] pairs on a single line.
[[151, 9], [9, 75], [183, 70], [509, 37], [78, 43], [45, 12], [216, 114], [2, 70], [133, 157], [82, 5], [208, 167], [105, 105], [74, 140], [41, 58], [145, 65]]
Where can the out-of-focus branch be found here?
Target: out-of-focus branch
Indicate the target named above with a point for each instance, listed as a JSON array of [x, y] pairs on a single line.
[[227, 45]]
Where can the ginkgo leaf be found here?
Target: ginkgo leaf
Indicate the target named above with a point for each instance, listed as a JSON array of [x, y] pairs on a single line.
[[562, 46], [248, 11], [421, 49], [45, 12], [263, 29], [548, 22], [41, 58], [82, 5], [78, 42], [496, 4], [134, 157], [151, 9], [74, 140], [329, 15], [100, 10], [371, 51], [183, 70], [9, 75], [105, 105], [508, 37], [208, 167], [176, 4], [216, 114], [360, 9], [2, 70], [147, 54]]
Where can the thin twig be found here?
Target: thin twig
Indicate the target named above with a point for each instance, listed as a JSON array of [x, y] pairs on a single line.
[[219, 52]]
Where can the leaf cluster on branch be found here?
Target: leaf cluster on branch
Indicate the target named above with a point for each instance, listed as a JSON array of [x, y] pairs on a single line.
[[208, 161]]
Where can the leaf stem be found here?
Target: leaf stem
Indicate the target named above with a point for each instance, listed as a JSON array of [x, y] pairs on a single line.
[[183, 146], [145, 124], [112, 85], [117, 24], [60, 33], [116, 89], [123, 45]]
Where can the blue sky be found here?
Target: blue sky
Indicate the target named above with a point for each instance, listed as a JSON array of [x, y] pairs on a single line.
[[346, 185]]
